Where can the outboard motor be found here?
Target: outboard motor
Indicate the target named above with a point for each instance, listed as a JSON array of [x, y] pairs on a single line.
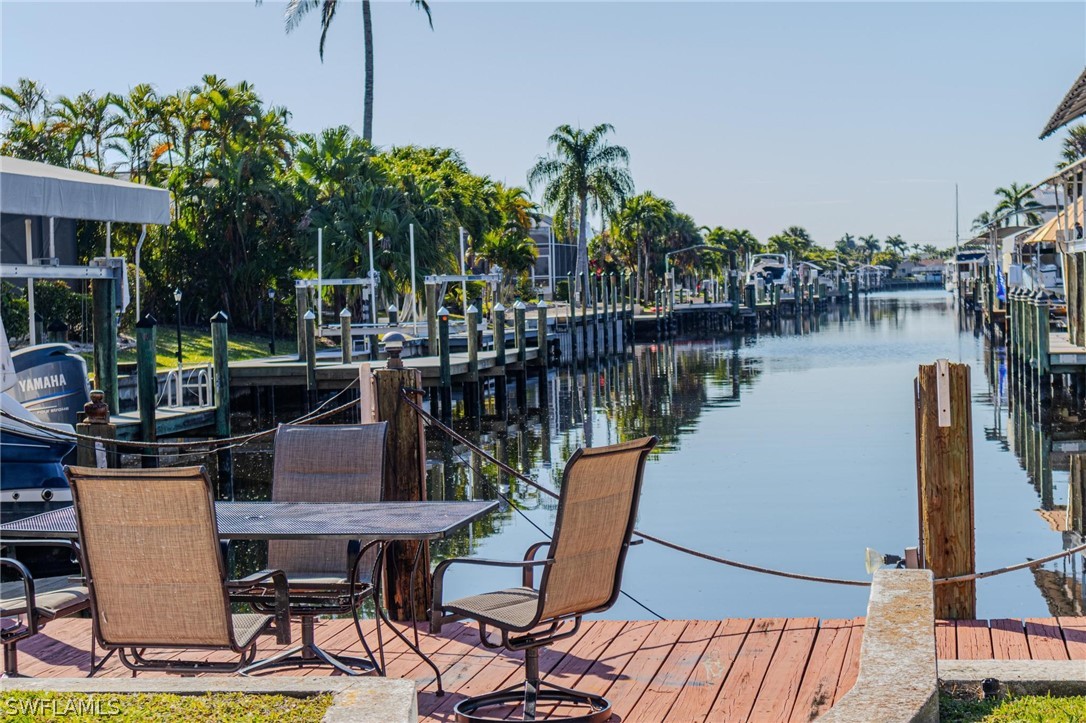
[[51, 382]]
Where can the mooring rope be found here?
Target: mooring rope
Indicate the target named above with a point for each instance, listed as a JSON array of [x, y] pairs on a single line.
[[723, 560], [211, 444]]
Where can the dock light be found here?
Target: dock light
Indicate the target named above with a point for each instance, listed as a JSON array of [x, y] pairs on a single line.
[[443, 314], [874, 560], [393, 343]]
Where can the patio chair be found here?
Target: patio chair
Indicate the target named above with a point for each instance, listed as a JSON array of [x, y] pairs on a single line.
[[324, 463], [581, 574], [155, 572], [36, 601]]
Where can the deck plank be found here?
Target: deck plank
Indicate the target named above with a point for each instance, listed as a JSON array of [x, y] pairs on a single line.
[[1074, 635], [974, 640], [585, 655], [946, 639], [819, 682], [701, 690], [1009, 639], [675, 671], [740, 690], [1045, 639], [780, 688], [643, 666], [850, 668]]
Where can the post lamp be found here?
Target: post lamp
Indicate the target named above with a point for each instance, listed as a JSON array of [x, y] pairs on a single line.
[[177, 314], [393, 343], [271, 318]]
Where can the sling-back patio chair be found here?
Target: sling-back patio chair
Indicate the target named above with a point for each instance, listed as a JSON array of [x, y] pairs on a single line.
[[325, 463], [28, 603], [155, 572], [581, 574]]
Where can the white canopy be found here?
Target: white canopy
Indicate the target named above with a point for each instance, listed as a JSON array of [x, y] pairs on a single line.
[[29, 188]]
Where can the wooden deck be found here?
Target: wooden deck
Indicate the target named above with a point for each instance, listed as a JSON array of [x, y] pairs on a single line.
[[767, 669]]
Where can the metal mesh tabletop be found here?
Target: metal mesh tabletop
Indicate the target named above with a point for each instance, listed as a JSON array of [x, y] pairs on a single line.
[[300, 520]]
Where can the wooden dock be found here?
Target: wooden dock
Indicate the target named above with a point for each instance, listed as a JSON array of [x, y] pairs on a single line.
[[766, 669]]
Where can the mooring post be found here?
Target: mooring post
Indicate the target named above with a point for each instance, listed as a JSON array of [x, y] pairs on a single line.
[[571, 322], [147, 386], [605, 342], [405, 481], [345, 339], [445, 381], [393, 315], [301, 304], [310, 346], [96, 424], [105, 341], [431, 319], [520, 375], [220, 361], [501, 404], [944, 458], [473, 393], [543, 360], [656, 306]]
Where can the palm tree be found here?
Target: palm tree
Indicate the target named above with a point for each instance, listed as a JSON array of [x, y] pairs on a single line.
[[642, 219], [981, 221], [870, 245], [1074, 145], [584, 167], [1015, 201], [298, 9], [897, 243]]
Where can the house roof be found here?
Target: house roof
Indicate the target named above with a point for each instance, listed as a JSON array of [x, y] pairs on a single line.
[[1071, 107], [30, 188]]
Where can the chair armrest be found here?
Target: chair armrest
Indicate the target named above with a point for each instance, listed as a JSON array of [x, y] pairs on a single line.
[[439, 580], [282, 599], [28, 592], [529, 576]]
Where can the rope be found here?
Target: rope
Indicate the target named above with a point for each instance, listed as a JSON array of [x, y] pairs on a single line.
[[213, 444], [660, 541], [722, 560]]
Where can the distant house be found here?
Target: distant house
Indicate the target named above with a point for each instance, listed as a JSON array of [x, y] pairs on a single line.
[[923, 270], [552, 251]]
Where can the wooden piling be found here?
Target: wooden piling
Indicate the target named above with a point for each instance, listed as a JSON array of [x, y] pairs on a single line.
[[945, 477], [310, 346], [346, 341], [472, 391], [220, 361], [543, 360], [501, 403], [301, 305], [520, 374], [606, 340], [445, 381], [147, 386], [431, 319], [405, 481], [105, 341], [96, 424]]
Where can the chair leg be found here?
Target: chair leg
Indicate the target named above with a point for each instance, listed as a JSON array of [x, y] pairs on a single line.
[[11, 661]]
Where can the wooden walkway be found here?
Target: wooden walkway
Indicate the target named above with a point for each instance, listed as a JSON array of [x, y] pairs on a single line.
[[767, 669]]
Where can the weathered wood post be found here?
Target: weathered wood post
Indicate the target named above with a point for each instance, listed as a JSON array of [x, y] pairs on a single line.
[[105, 341], [944, 457], [220, 361], [473, 395], [405, 481], [520, 374], [310, 346], [301, 305], [624, 321], [445, 381], [501, 404], [345, 339], [96, 424], [431, 319], [571, 322], [393, 315], [606, 341], [656, 306], [543, 361], [616, 320], [147, 386]]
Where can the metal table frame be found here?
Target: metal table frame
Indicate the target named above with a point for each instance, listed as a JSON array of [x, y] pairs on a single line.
[[372, 523]]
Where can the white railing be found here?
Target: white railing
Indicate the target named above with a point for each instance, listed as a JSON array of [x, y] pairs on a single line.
[[196, 381]]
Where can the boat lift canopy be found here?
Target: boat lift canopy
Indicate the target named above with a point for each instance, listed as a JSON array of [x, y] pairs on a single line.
[[38, 189]]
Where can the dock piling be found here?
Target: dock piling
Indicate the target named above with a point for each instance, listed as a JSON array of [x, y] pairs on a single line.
[[309, 321], [220, 353], [520, 373], [472, 390], [543, 360], [445, 382], [147, 386], [345, 339], [501, 403]]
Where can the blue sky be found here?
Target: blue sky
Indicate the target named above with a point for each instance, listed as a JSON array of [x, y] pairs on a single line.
[[841, 117]]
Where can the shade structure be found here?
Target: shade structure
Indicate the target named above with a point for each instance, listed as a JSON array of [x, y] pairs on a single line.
[[1071, 107], [1064, 220], [29, 188]]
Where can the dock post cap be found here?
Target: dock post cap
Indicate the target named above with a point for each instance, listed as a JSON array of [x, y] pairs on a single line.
[[443, 312], [520, 305], [345, 313], [472, 310], [392, 308], [309, 316], [499, 307], [220, 318], [541, 304], [146, 322]]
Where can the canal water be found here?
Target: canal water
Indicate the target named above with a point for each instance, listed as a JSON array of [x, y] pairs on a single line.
[[792, 449]]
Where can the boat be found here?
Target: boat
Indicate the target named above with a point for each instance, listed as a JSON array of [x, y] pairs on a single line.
[[32, 455], [771, 268]]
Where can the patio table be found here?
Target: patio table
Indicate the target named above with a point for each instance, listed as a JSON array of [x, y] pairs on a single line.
[[373, 521]]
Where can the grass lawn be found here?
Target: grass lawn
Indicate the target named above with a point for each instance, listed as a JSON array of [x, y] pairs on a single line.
[[43, 707], [1024, 709], [196, 347]]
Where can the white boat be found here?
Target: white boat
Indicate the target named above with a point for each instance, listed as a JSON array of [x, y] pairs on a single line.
[[771, 269]]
